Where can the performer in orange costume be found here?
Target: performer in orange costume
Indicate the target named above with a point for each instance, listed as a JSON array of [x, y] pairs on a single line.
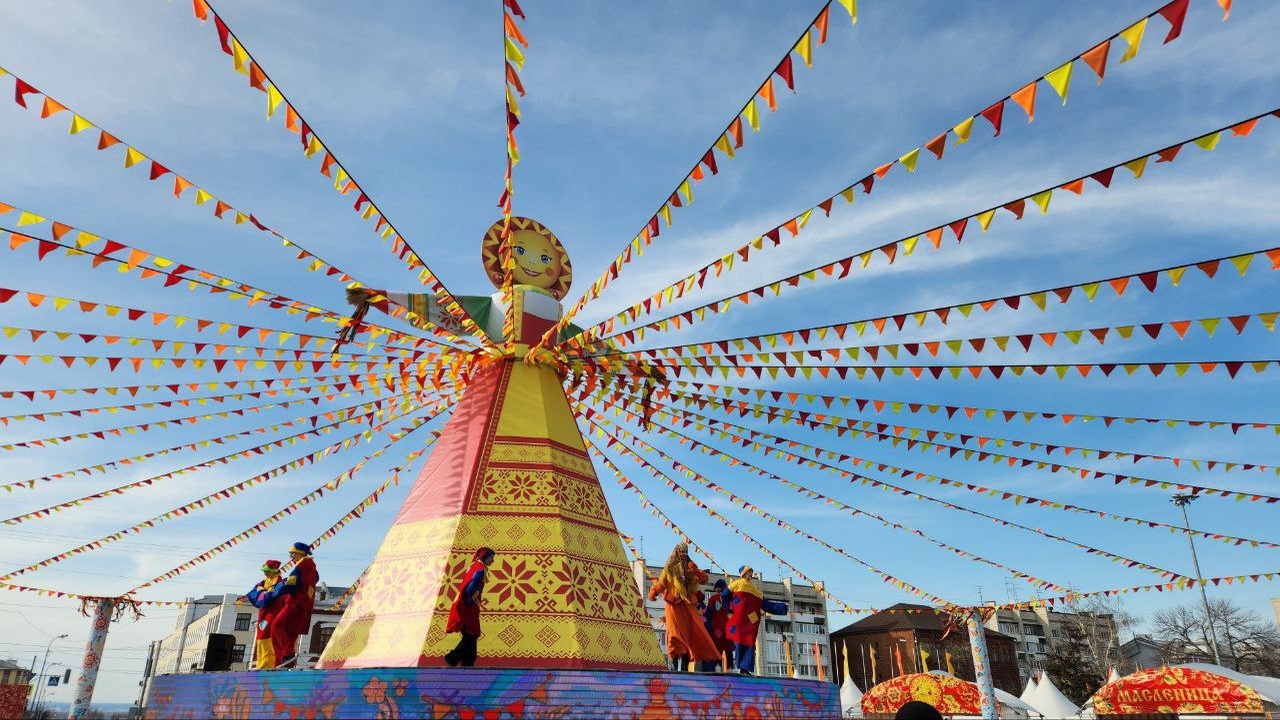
[[464, 615], [687, 638], [269, 605], [299, 594], [744, 621]]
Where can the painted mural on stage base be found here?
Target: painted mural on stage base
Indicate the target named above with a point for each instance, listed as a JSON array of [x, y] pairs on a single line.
[[487, 694]]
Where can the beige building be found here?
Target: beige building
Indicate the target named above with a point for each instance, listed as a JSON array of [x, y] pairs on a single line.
[[184, 649], [1275, 608], [1035, 630], [804, 627]]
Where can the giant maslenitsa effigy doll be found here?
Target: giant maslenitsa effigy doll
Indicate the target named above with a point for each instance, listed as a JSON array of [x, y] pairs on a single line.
[[511, 472]]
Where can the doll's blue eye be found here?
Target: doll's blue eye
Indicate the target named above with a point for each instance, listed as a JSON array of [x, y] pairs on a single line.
[[545, 259], [520, 251]]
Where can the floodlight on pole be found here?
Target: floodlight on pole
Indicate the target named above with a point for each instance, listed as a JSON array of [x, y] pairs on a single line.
[[1182, 500]]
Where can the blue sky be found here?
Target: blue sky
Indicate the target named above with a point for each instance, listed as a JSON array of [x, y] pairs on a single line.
[[621, 103]]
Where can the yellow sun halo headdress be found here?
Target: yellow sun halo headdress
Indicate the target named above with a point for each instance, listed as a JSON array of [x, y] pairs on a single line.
[[557, 274]]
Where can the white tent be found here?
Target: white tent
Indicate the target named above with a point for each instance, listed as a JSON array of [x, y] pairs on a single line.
[[850, 699], [1050, 702], [1029, 690]]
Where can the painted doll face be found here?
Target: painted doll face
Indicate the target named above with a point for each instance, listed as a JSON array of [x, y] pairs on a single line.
[[536, 261]]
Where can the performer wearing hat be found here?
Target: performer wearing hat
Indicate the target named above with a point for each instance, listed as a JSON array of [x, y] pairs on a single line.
[[715, 617], [744, 618], [269, 605], [687, 638], [464, 615], [299, 594]]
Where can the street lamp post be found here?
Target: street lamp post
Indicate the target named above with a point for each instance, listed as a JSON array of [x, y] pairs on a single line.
[[1182, 500], [44, 662]]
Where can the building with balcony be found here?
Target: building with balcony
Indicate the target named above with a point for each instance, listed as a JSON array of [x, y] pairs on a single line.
[[1035, 630], [798, 632]]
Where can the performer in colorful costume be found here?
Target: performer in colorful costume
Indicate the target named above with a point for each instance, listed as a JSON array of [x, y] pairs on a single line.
[[715, 617], [744, 619], [687, 638], [269, 605], [464, 615], [298, 592]]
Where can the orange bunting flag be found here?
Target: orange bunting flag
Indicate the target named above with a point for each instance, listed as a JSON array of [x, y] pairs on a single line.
[[1026, 99], [1096, 58]]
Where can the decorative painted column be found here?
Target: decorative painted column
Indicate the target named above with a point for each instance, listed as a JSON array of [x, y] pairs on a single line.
[[102, 614], [982, 665]]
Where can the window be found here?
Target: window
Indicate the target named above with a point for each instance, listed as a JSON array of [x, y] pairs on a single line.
[[1036, 630], [243, 621], [1009, 628], [237, 653]]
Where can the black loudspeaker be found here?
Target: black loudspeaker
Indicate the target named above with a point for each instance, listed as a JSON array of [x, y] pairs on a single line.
[[217, 654]]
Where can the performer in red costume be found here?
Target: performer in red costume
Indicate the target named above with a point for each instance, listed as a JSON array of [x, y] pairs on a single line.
[[298, 592], [464, 615], [269, 605], [715, 617], [687, 639], [744, 619]]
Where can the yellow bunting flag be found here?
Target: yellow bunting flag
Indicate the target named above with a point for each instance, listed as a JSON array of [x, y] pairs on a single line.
[[1133, 36], [752, 117], [78, 124], [908, 161], [963, 130], [804, 48], [1060, 80], [852, 7], [1208, 142], [132, 157], [274, 98], [514, 54]]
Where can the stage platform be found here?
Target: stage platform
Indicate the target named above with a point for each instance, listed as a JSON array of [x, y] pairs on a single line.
[[487, 694]]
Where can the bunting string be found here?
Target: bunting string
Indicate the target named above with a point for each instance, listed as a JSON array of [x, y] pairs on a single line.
[[679, 490], [1059, 79], [206, 501], [728, 142], [906, 246], [302, 340], [221, 209], [1118, 284], [119, 430], [328, 392], [332, 168], [351, 413], [158, 318], [747, 505], [512, 42], [965, 412], [214, 284], [369, 416], [911, 436], [266, 384], [771, 445], [1049, 339], [955, 372], [331, 485]]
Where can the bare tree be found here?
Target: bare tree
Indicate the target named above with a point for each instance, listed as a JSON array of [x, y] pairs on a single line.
[[1097, 624], [1246, 642]]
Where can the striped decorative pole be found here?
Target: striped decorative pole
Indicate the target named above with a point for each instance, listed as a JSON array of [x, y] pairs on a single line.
[[103, 611], [982, 665]]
